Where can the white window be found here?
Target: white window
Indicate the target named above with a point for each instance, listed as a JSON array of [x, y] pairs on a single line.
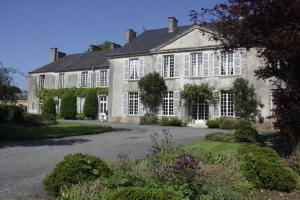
[[168, 68], [168, 103], [103, 78], [134, 69], [227, 104], [102, 104], [227, 63], [61, 80], [133, 103], [80, 104], [41, 81], [84, 78]]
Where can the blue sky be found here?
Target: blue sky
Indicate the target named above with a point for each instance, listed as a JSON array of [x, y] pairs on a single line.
[[28, 29]]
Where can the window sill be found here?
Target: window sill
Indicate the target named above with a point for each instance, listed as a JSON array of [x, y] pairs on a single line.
[[171, 78], [226, 76]]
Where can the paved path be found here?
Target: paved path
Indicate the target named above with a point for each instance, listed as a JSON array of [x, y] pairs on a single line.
[[23, 164]]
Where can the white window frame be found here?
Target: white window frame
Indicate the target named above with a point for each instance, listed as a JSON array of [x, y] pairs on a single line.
[[81, 104], [102, 104], [103, 78], [61, 80], [168, 66], [134, 69], [227, 104], [42, 81], [168, 104], [84, 79], [133, 103], [226, 63]]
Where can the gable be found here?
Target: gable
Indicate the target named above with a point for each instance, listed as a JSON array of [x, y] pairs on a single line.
[[193, 39]]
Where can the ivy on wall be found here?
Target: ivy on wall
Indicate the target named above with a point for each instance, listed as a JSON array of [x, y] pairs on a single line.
[[79, 92], [203, 91]]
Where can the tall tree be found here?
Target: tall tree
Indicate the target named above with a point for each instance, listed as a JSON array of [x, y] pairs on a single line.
[[273, 27], [7, 90]]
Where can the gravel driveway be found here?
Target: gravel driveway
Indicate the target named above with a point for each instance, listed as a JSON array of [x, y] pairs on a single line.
[[23, 164]]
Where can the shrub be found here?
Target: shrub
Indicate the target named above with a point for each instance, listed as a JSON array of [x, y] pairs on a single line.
[[90, 108], [294, 162], [18, 115], [68, 106], [220, 137], [244, 124], [262, 167], [74, 169], [213, 123], [49, 107], [148, 119], [228, 123], [246, 135], [4, 113], [170, 121], [139, 193], [39, 120], [11, 114], [80, 116]]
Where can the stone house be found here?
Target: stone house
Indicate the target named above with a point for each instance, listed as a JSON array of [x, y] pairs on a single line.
[[181, 54]]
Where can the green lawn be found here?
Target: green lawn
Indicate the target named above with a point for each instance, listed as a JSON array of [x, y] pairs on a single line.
[[59, 130]]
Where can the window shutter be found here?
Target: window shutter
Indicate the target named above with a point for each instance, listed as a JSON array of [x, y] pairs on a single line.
[[205, 63], [125, 103], [237, 62], [82, 102], [141, 106], [216, 64], [176, 102], [177, 63], [56, 80], [78, 104], [107, 77], [126, 69], [97, 81], [159, 64], [66, 80], [217, 104], [89, 79], [187, 65], [79, 80], [141, 68]]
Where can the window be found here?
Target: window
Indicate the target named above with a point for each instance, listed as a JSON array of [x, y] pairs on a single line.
[[227, 63], [168, 68], [196, 64], [227, 104], [133, 101], [134, 69], [168, 103], [103, 78], [80, 104], [57, 105], [61, 80], [84, 77], [41, 81], [102, 104]]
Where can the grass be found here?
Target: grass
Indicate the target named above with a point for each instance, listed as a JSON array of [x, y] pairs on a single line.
[[59, 130]]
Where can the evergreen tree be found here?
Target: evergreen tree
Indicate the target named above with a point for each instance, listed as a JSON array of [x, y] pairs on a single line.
[[68, 106], [49, 107], [90, 108]]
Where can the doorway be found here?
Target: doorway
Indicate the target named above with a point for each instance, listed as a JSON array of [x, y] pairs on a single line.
[[200, 110]]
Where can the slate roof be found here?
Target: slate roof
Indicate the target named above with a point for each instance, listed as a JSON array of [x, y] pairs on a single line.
[[143, 43]]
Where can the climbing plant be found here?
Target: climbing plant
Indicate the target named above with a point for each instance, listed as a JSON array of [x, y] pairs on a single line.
[[203, 91], [79, 92]]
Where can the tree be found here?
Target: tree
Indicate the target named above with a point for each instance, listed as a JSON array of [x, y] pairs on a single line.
[[273, 28], [105, 45], [152, 88], [49, 107], [7, 91], [68, 106], [246, 102], [90, 108]]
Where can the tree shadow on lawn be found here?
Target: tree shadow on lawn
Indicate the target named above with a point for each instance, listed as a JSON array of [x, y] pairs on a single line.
[[41, 142]]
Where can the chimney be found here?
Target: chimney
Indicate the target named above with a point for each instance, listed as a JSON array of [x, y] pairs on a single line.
[[55, 54], [172, 24], [92, 48], [130, 34], [114, 46]]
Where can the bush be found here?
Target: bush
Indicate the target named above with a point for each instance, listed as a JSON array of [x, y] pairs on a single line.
[[11, 114], [80, 116], [4, 112], [39, 120], [90, 108], [220, 137], [213, 123], [139, 193], [74, 169], [170, 121], [68, 106], [246, 135], [49, 107], [294, 162], [18, 115], [228, 123], [148, 119], [262, 167]]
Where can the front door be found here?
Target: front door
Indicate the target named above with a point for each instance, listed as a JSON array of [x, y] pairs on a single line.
[[200, 110], [102, 108]]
